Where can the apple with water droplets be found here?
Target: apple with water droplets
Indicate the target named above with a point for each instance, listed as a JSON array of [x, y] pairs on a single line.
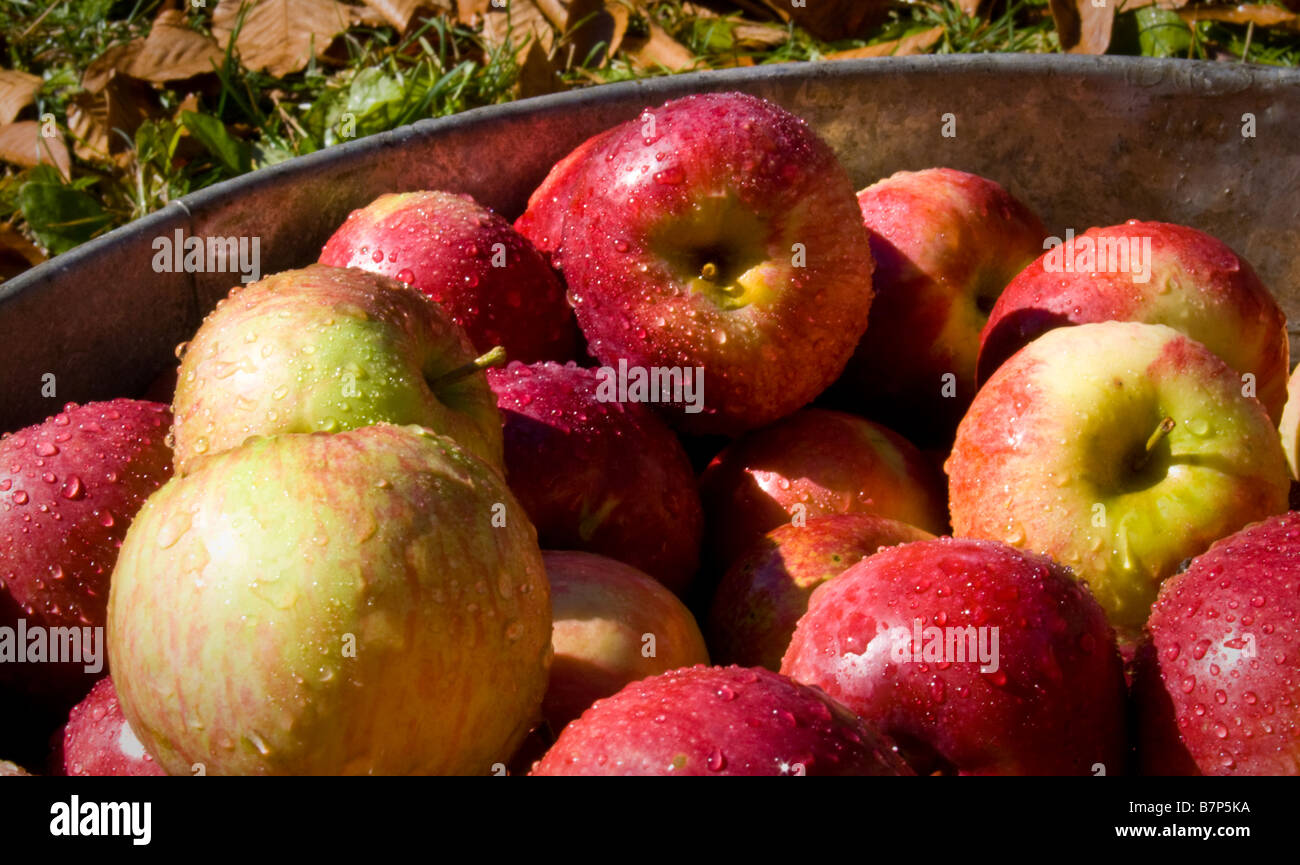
[[975, 657], [1119, 449], [719, 231], [945, 244], [598, 475], [327, 349], [612, 625], [814, 463], [1219, 692], [486, 275], [97, 740], [69, 488], [766, 591], [543, 220], [703, 721], [1155, 273], [365, 602]]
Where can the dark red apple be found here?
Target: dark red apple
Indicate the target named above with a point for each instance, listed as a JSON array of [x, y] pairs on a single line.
[[719, 721], [815, 463], [612, 625], [1175, 276], [486, 275], [97, 740], [604, 477], [69, 488], [975, 657], [764, 593], [1220, 694], [719, 232], [945, 244]]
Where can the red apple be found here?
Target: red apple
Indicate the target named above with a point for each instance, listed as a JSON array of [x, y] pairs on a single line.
[[763, 594], [815, 463], [97, 740], [613, 625], [945, 244], [486, 275], [719, 232], [543, 222], [605, 477], [1221, 694], [719, 721], [1186, 279], [976, 657], [69, 488], [1118, 449]]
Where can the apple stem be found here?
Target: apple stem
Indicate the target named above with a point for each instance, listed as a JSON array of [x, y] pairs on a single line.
[[709, 271], [1164, 428], [494, 357]]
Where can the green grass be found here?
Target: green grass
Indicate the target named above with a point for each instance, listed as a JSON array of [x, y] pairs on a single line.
[[382, 79]]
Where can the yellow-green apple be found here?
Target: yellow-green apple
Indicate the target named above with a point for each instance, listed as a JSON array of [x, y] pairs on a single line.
[[1156, 273], [975, 657], [815, 463], [945, 244], [97, 740], [543, 221], [762, 595], [720, 721], [69, 488], [486, 275], [612, 625], [596, 475], [1119, 449], [1289, 426], [1221, 692], [718, 231], [327, 349], [367, 602]]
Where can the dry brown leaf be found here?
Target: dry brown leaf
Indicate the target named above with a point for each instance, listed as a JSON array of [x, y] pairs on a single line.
[[520, 23], [172, 51], [662, 50], [917, 43], [585, 24], [280, 36], [399, 13], [832, 19], [970, 7], [108, 65], [471, 12], [1131, 5], [1081, 27], [537, 74], [759, 35], [17, 254], [620, 15], [17, 90], [123, 104], [1247, 13], [22, 144]]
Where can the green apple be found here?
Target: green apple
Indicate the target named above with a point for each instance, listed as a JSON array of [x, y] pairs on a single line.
[[1119, 449], [370, 602], [327, 349]]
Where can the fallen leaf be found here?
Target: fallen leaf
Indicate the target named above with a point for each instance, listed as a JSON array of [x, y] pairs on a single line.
[[915, 43], [171, 52], [661, 50], [399, 13], [23, 144], [519, 24], [759, 36], [17, 90], [122, 104], [970, 7], [109, 64], [537, 74], [1082, 26], [17, 253], [471, 12], [1264, 16], [620, 15], [831, 20], [1132, 5], [281, 36], [584, 25]]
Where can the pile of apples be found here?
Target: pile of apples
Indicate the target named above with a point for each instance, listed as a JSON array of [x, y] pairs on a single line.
[[360, 540]]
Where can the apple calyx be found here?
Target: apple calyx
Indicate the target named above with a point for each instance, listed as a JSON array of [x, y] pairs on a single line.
[[1164, 428], [493, 357]]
